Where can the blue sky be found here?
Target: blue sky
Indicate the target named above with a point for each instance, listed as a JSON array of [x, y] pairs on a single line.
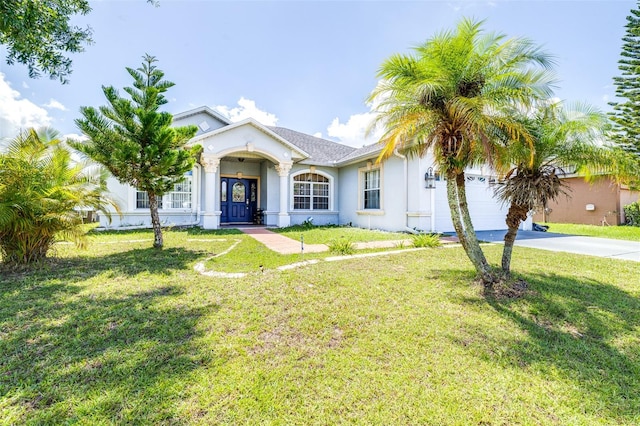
[[305, 65]]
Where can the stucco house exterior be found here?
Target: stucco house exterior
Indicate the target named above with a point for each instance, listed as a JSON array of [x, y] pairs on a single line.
[[599, 203], [251, 173]]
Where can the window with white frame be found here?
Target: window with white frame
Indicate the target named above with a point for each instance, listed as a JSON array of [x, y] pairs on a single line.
[[178, 198], [142, 200], [371, 189], [310, 192]]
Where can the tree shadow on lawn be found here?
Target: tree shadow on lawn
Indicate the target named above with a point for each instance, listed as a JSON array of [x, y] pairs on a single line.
[[109, 356], [68, 357], [122, 263], [585, 330]]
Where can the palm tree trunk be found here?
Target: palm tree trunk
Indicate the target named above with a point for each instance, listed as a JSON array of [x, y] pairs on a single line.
[[456, 197], [515, 216], [155, 221], [452, 199]]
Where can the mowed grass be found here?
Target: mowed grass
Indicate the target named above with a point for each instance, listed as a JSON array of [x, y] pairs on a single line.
[[123, 333], [631, 233], [326, 234]]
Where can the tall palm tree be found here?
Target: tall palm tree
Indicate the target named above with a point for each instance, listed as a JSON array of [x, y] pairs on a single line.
[[41, 188], [450, 97], [559, 138]]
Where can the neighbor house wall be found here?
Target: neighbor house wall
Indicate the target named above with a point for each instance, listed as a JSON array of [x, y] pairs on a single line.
[[627, 197], [603, 194]]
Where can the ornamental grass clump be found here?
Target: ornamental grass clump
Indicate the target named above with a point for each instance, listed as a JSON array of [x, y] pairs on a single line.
[[341, 246], [425, 240]]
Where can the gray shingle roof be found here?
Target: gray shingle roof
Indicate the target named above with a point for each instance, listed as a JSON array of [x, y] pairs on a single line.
[[367, 151], [321, 151]]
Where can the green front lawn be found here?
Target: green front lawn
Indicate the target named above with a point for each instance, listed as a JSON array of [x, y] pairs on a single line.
[[631, 233], [325, 234], [123, 333]]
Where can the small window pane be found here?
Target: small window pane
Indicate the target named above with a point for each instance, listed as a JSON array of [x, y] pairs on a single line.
[[321, 203], [238, 192], [371, 193], [180, 197], [302, 203], [142, 200], [223, 191]]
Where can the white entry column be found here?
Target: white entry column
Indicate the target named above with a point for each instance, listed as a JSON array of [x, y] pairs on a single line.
[[283, 216], [210, 216]]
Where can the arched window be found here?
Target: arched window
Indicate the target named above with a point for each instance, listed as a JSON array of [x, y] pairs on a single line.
[[310, 192]]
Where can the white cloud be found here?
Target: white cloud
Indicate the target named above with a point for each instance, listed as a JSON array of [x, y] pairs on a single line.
[[16, 113], [318, 134], [353, 132], [605, 98], [247, 109], [25, 85], [53, 104], [74, 137]]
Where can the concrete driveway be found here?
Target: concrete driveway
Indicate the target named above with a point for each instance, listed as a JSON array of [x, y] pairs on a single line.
[[592, 246]]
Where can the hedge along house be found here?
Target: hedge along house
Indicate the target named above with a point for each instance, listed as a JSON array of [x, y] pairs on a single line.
[[251, 173]]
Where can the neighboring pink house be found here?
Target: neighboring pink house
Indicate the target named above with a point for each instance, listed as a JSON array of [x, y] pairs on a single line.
[[595, 203]]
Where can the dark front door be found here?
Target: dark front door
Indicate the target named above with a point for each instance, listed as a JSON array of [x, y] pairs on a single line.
[[238, 200]]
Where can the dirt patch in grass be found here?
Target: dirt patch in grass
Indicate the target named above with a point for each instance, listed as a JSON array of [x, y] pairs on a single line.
[[508, 289]]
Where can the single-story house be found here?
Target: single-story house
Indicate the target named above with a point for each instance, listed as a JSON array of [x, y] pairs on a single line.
[[597, 203], [252, 173]]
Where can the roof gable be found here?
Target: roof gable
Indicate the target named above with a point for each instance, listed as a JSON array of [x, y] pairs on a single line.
[[297, 151], [206, 119], [321, 151]]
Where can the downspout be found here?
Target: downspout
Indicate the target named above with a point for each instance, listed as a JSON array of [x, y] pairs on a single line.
[[432, 200], [406, 191]]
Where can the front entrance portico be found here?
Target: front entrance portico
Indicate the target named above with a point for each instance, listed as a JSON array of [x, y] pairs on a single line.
[[256, 162]]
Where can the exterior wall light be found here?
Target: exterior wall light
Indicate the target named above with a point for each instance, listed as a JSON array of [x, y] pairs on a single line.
[[429, 179]]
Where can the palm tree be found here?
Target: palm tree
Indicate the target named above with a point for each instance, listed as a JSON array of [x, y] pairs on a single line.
[[450, 97], [559, 138], [41, 188]]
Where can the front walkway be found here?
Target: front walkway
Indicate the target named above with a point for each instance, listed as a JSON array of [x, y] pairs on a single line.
[[284, 245], [280, 243]]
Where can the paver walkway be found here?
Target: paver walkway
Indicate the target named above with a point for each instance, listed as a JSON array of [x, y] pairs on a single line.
[[284, 245], [280, 243]]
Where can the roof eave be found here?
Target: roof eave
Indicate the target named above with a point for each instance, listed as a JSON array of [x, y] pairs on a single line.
[[365, 156]]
